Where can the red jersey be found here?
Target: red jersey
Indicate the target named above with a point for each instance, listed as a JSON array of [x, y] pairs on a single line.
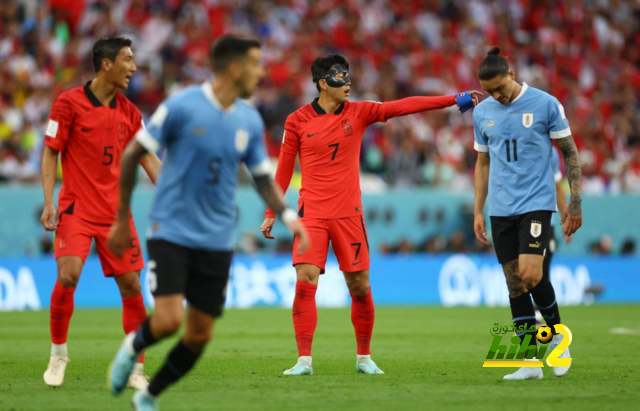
[[91, 138], [329, 148]]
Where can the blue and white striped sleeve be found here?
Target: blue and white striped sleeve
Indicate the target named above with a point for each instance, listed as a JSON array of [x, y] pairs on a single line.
[[157, 132], [558, 123], [480, 143], [256, 158]]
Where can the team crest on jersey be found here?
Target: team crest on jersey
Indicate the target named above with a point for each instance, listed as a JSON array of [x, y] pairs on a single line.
[[346, 127], [242, 139], [536, 229], [527, 119], [122, 130]]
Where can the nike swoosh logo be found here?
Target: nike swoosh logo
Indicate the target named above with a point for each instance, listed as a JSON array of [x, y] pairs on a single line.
[[134, 261], [311, 135], [354, 264], [84, 129]]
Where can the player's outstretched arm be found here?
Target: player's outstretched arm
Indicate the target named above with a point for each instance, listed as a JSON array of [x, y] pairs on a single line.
[[48, 171], [481, 178], [572, 215], [151, 164], [273, 197], [419, 104], [119, 237]]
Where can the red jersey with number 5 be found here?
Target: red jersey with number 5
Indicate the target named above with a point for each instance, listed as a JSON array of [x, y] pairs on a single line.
[[329, 147], [90, 138]]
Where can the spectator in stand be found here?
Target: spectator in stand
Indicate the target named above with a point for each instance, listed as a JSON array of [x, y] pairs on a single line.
[[588, 53]]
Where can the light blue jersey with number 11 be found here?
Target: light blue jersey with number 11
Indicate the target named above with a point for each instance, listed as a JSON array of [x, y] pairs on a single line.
[[517, 137], [195, 204]]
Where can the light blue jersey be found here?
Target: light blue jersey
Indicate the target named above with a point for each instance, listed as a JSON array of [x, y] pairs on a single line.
[[194, 205], [517, 137]]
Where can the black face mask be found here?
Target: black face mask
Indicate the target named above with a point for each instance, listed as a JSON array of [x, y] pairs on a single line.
[[331, 78]]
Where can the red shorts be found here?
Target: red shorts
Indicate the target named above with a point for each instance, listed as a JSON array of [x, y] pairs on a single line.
[[74, 235], [349, 240]]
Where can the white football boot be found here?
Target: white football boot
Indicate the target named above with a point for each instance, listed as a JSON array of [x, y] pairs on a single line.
[[54, 376], [526, 373], [555, 341]]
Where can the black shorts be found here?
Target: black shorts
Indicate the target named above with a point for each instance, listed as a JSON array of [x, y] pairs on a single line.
[[521, 234], [200, 275]]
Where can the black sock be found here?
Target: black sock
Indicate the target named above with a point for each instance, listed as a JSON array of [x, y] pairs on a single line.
[[524, 315], [545, 298], [179, 361], [144, 338]]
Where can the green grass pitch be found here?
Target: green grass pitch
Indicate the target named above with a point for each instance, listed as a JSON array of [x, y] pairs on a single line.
[[432, 358]]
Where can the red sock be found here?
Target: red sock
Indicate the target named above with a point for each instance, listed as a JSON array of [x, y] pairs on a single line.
[[305, 316], [362, 316], [133, 315], [60, 312]]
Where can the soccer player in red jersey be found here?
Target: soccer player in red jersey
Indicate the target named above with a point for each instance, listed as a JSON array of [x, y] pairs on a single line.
[[327, 134], [89, 127]]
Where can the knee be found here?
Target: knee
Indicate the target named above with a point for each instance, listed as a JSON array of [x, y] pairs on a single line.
[[167, 325], [308, 274], [359, 288], [130, 287], [69, 275], [530, 275]]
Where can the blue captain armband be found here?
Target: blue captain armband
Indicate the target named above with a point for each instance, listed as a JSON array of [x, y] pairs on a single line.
[[464, 100]]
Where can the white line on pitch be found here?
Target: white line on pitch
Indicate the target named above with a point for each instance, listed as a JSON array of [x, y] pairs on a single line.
[[627, 331]]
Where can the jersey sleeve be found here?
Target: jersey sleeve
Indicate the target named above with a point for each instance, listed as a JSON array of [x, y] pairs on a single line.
[[371, 111], [256, 158], [480, 142], [290, 138], [59, 125], [160, 130], [558, 123]]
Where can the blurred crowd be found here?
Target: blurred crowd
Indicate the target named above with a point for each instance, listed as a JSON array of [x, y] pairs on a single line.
[[586, 53]]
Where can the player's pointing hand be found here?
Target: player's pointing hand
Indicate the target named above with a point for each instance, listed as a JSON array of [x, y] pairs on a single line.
[[467, 100], [475, 96]]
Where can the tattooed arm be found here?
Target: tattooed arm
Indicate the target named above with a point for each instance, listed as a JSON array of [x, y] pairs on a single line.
[[572, 215]]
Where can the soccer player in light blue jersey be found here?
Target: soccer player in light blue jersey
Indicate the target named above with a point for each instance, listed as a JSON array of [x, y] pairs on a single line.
[[562, 205], [207, 130], [513, 132]]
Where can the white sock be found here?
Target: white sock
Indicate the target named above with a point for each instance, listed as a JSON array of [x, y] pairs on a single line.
[[363, 357], [59, 350], [138, 367], [306, 359]]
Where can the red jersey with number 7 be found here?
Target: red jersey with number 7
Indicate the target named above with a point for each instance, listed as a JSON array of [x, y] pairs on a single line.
[[90, 138], [329, 148]]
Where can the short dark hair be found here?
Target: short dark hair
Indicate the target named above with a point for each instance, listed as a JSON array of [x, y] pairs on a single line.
[[108, 48], [493, 65], [321, 66], [230, 48]]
